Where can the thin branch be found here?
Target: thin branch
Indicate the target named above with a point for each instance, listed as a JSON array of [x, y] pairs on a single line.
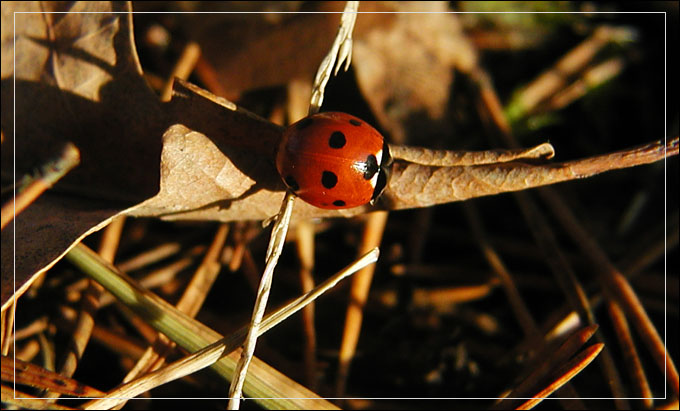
[[211, 353], [51, 172], [630, 355], [361, 284], [33, 375], [192, 335], [183, 68], [565, 374], [614, 282], [190, 303], [278, 238], [553, 359], [80, 337], [342, 52]]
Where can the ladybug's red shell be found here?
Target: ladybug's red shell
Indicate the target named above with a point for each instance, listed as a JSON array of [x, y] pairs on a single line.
[[333, 160]]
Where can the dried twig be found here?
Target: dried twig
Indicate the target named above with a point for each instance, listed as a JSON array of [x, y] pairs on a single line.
[[278, 238], [565, 374], [630, 355], [51, 173], [190, 303], [211, 353], [552, 360], [191, 334], [183, 68], [612, 280], [341, 50], [305, 243], [33, 375], [90, 305], [361, 284]]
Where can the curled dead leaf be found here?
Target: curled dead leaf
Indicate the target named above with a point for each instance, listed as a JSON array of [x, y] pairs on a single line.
[[447, 158], [417, 185], [226, 171]]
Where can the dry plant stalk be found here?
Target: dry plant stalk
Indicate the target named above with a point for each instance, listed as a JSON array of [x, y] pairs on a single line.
[[276, 242], [361, 285], [565, 374], [192, 335], [183, 68], [569, 283], [30, 374], [554, 358], [7, 325], [342, 51], [617, 285], [630, 355], [521, 311], [211, 353], [24, 400], [51, 172], [305, 246], [611, 278], [556, 79], [149, 257], [190, 303], [85, 323], [297, 104]]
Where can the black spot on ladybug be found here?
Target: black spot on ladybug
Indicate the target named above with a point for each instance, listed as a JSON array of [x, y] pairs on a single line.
[[354, 122], [338, 203], [304, 123], [329, 179], [291, 183], [372, 167], [337, 140]]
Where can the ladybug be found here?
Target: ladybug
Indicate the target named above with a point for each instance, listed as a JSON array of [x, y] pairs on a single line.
[[333, 160]]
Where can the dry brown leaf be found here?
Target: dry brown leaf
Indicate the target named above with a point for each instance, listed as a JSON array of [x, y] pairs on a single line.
[[405, 70], [415, 185], [76, 77], [233, 45], [404, 63], [221, 168], [226, 172], [78, 80], [429, 157], [216, 161]]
